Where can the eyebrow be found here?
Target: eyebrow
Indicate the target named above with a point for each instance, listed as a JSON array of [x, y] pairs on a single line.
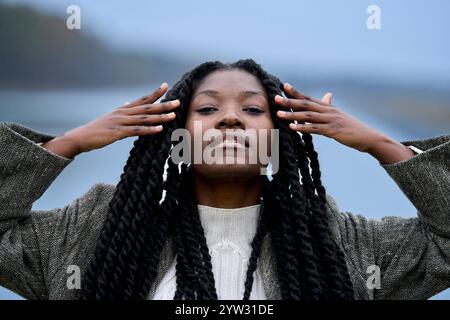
[[215, 94]]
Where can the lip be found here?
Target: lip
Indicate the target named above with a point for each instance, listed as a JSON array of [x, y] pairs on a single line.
[[230, 144], [230, 141]]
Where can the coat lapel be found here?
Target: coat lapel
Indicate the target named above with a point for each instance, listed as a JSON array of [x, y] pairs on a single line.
[[268, 267]]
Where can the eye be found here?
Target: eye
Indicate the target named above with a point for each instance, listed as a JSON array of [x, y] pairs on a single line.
[[254, 110], [206, 110]]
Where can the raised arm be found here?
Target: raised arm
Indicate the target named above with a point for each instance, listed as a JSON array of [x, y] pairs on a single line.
[[37, 246], [413, 254], [28, 237]]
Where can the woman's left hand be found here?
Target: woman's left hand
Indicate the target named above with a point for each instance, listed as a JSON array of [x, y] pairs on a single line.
[[325, 119]]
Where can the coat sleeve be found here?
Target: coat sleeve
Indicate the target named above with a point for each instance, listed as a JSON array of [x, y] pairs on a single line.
[[28, 237], [412, 254]]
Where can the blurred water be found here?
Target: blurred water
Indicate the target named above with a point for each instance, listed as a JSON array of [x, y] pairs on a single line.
[[356, 180]]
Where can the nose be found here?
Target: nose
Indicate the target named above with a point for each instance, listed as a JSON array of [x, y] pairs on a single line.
[[229, 120]]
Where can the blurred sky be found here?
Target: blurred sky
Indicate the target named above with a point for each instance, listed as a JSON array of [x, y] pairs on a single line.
[[321, 37]]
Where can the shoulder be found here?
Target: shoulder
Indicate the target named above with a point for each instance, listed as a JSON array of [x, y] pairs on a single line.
[[88, 211], [100, 192], [348, 227], [97, 198]]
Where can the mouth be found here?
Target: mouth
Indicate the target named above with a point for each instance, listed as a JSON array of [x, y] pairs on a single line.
[[233, 140], [230, 144]]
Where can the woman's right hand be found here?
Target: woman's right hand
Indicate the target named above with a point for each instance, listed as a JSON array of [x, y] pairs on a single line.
[[141, 117]]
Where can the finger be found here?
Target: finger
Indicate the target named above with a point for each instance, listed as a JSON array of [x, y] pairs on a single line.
[[154, 108], [299, 95], [304, 116], [147, 120], [299, 104], [327, 98], [128, 131], [151, 98], [316, 128]]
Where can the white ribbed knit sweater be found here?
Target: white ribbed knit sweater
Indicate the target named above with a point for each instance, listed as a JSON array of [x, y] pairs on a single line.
[[229, 233]]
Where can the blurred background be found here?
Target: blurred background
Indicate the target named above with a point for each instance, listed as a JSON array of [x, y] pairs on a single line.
[[396, 79]]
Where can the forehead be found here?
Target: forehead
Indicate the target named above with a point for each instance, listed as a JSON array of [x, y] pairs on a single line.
[[229, 82]]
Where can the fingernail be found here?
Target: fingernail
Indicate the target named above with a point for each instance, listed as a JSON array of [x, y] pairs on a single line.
[[288, 86], [163, 85], [281, 113], [279, 97]]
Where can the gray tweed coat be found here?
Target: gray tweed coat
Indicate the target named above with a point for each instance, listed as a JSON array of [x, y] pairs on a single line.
[[36, 247]]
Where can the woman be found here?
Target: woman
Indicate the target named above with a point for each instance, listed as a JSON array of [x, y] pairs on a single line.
[[221, 231]]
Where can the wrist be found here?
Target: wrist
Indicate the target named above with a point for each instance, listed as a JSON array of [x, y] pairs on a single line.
[[72, 143], [388, 151], [379, 144], [63, 146]]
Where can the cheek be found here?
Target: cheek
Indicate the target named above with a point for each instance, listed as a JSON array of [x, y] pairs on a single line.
[[267, 127], [189, 124], [266, 121]]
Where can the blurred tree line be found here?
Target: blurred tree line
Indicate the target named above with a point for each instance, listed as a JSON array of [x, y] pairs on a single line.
[[38, 50]]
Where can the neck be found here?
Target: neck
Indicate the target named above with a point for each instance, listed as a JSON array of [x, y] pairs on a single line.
[[232, 192]]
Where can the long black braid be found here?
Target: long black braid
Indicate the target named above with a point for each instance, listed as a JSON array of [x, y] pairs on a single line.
[[310, 265]]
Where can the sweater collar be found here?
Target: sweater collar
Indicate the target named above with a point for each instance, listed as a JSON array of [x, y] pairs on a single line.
[[267, 263], [236, 225]]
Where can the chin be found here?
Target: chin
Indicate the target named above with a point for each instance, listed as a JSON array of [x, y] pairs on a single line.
[[227, 170]]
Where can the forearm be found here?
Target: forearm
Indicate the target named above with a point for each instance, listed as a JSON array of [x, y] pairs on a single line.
[[62, 146], [388, 151], [425, 180], [26, 171]]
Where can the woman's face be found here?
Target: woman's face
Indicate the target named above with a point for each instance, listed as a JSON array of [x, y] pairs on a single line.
[[229, 101]]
